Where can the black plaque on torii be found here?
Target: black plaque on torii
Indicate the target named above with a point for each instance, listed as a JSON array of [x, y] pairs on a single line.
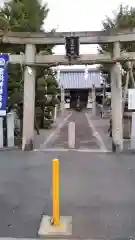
[[72, 47]]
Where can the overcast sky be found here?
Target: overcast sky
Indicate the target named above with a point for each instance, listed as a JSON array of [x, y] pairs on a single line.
[[80, 15]]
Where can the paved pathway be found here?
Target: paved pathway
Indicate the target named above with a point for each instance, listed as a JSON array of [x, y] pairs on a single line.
[[84, 137], [97, 190], [45, 133]]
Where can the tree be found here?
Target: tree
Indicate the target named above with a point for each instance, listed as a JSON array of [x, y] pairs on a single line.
[[124, 18], [22, 16], [46, 98]]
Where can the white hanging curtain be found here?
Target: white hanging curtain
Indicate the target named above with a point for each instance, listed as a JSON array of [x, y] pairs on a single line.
[[86, 72]]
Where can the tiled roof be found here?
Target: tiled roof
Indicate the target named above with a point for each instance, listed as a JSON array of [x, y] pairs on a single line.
[[76, 79]]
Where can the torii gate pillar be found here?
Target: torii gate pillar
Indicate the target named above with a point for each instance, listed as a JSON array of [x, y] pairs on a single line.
[[29, 98], [116, 102]]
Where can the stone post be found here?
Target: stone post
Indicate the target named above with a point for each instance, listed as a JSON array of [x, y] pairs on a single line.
[[62, 100], [55, 113], [71, 135], [93, 101], [116, 102], [29, 98], [10, 129], [89, 102], [1, 133], [133, 131]]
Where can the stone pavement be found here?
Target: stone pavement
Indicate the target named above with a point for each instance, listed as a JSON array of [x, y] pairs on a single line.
[[84, 138], [45, 133], [96, 189], [101, 125]]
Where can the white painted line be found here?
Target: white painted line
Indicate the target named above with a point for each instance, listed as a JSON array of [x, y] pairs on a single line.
[[96, 134], [51, 150], [93, 150], [56, 131], [69, 150], [10, 238]]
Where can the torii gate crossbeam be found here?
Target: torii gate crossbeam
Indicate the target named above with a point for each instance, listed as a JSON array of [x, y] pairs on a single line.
[[45, 60], [58, 38]]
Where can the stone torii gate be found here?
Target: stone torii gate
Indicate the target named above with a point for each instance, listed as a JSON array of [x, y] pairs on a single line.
[[32, 59]]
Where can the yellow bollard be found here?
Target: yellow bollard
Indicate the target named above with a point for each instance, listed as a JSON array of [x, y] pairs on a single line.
[[55, 224], [55, 192]]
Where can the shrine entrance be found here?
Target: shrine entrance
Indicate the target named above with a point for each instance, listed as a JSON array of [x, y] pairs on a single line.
[[31, 59], [81, 95]]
